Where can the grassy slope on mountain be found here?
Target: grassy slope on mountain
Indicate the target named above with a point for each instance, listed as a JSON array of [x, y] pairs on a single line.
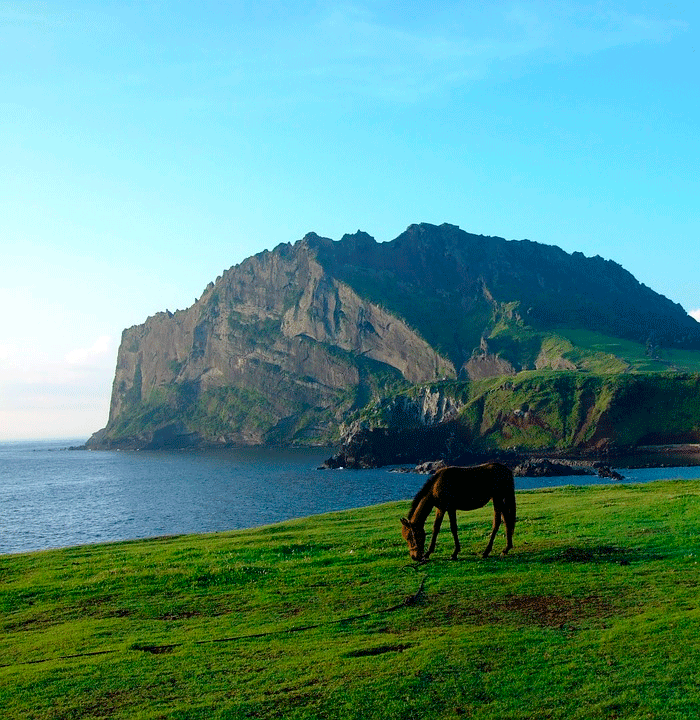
[[635, 356], [593, 615]]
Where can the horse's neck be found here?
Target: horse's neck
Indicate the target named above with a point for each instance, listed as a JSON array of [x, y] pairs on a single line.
[[425, 505]]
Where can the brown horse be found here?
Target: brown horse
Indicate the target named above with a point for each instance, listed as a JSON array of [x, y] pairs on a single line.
[[460, 488]]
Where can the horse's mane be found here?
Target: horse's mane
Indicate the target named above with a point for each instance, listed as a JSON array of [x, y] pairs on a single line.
[[421, 494]]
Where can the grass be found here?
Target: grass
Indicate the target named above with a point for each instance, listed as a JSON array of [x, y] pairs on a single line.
[[593, 615], [608, 352]]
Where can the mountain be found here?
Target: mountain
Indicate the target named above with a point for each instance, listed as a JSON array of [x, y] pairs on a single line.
[[291, 343]]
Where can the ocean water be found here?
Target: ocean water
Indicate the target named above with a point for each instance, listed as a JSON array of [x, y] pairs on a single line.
[[54, 497]]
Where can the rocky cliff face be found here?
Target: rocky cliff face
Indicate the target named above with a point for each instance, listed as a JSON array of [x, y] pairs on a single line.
[[281, 348], [276, 350]]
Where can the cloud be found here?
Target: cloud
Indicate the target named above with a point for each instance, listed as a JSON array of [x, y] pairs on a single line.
[[7, 351], [52, 422], [88, 356], [695, 314], [408, 55]]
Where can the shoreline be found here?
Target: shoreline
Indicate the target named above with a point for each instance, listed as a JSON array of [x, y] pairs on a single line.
[[646, 456]]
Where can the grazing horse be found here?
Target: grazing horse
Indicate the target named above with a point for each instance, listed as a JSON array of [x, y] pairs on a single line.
[[460, 488]]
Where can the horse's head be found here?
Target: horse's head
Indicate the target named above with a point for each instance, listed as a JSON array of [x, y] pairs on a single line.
[[414, 535]]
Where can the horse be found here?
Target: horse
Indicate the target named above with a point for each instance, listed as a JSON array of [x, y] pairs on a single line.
[[460, 488]]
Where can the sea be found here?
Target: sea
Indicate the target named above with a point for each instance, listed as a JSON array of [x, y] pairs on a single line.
[[53, 496]]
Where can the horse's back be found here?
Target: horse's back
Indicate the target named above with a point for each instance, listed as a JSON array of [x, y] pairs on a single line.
[[502, 474], [468, 488]]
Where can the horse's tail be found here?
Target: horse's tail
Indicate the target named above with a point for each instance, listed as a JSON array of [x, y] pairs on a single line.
[[504, 488], [506, 482], [508, 494]]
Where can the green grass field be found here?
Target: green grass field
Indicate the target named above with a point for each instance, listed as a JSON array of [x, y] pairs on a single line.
[[595, 614]]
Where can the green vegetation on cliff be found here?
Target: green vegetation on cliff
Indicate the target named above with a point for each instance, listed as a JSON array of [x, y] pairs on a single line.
[[553, 410], [212, 413], [567, 410], [593, 615]]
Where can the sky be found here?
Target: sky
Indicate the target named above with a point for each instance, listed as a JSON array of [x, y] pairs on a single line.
[[147, 146]]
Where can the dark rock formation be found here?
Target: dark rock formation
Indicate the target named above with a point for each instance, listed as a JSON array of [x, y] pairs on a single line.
[[605, 471], [543, 467], [370, 448]]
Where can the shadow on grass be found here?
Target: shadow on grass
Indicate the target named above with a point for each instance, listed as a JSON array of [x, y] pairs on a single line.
[[380, 650], [601, 554]]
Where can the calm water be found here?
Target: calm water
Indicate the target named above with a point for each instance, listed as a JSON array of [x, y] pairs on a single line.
[[53, 497]]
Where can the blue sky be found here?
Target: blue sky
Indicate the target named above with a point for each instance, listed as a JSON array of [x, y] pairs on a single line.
[[147, 146]]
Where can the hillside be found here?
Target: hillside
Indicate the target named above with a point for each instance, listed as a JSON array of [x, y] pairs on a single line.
[[457, 290], [289, 344], [564, 412], [592, 615]]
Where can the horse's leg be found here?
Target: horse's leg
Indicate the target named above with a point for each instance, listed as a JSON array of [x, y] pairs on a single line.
[[453, 526], [494, 530], [439, 514], [509, 519]]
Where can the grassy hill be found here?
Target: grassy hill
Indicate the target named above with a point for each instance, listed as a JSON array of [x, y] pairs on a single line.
[[585, 350], [594, 615]]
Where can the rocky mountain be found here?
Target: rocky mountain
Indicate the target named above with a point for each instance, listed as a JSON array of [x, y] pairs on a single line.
[[289, 344]]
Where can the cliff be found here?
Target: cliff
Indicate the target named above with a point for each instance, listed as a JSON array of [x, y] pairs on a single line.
[[276, 351], [287, 345]]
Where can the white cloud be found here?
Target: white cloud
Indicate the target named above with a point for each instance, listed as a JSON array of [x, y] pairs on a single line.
[[87, 356], [53, 400], [51, 422], [403, 56], [7, 351], [695, 314]]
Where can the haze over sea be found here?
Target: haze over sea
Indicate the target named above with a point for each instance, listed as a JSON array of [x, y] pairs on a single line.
[[53, 497]]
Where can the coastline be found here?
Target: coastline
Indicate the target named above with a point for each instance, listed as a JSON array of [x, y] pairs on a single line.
[[579, 462]]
